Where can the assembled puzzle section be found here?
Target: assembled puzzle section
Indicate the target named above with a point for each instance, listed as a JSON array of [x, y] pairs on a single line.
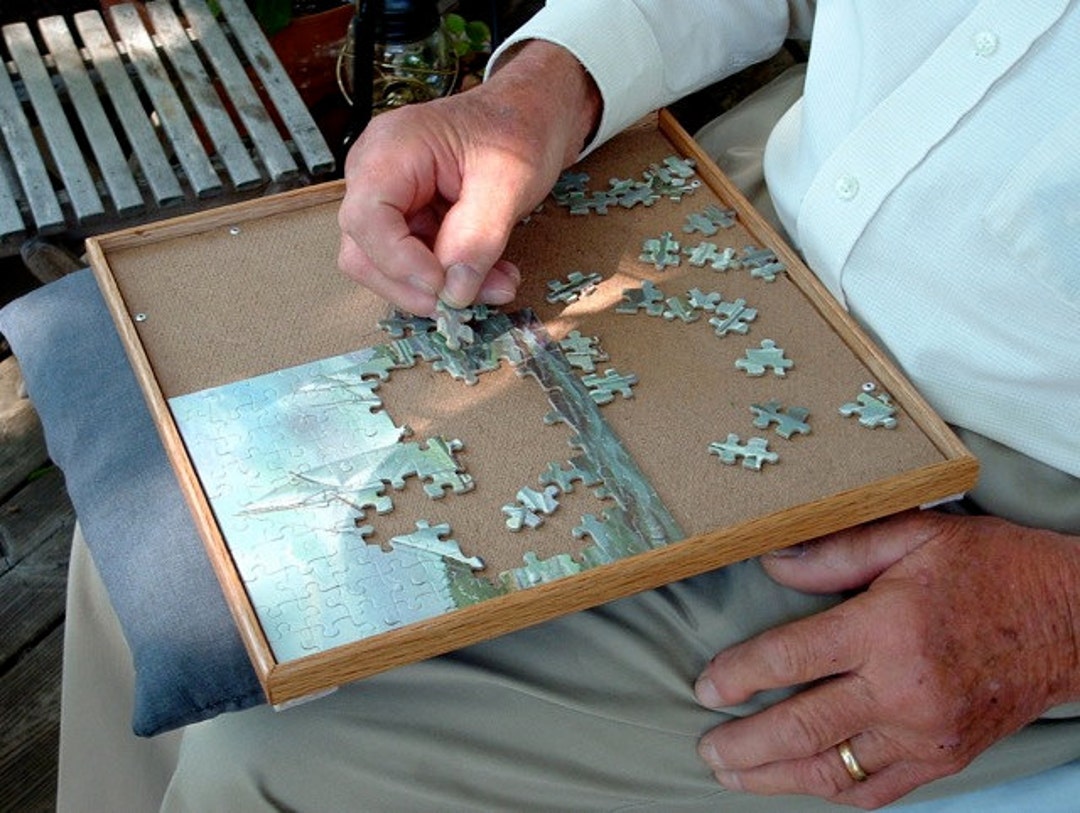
[[671, 392]]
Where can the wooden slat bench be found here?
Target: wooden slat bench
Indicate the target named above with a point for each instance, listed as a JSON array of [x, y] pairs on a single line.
[[163, 107]]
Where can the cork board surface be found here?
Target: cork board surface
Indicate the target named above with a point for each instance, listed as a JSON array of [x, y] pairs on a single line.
[[238, 296]]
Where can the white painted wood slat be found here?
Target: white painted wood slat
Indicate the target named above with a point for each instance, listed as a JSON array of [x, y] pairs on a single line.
[[167, 102], [208, 106], [29, 166], [141, 135], [113, 165], [264, 135], [306, 135], [64, 149], [11, 220]]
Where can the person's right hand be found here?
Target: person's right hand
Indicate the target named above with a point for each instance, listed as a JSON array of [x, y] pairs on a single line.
[[433, 190]]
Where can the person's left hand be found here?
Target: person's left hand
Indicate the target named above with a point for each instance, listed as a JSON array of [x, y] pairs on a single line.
[[964, 634]]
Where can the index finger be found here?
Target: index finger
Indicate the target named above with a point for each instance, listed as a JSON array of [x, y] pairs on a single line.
[[387, 221]]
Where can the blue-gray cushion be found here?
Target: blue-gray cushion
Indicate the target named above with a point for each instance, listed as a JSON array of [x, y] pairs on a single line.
[[189, 661]]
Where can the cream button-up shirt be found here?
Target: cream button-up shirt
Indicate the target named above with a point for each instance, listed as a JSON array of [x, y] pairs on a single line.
[[930, 175]]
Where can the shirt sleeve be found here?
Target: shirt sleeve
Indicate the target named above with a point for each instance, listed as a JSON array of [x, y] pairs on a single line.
[[644, 55]]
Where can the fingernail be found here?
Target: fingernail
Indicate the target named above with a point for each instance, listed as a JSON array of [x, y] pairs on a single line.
[[711, 757], [707, 751], [498, 296], [728, 779], [459, 276], [793, 552], [705, 691]]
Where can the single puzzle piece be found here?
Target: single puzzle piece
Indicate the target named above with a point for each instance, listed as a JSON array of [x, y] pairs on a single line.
[[873, 410], [758, 360], [679, 166], [573, 287], [706, 253], [788, 421], [754, 453], [762, 263], [453, 324], [679, 307], [597, 202], [639, 193], [648, 298], [582, 352], [429, 539], [660, 251], [531, 507], [732, 317], [672, 187], [709, 221], [707, 302], [602, 388]]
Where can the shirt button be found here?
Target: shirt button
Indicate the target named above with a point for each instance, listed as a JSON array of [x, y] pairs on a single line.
[[985, 43], [847, 187]]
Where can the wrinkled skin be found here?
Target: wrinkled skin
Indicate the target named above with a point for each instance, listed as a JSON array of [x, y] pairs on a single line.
[[965, 632]]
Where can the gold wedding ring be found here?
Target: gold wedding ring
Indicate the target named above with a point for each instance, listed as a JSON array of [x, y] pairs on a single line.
[[854, 769]]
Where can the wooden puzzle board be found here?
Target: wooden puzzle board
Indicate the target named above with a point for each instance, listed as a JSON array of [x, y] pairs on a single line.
[[239, 292]]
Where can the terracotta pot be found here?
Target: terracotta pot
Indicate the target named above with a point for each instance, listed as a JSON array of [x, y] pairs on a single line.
[[308, 48]]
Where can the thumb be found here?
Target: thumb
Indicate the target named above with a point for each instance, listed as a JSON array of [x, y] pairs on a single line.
[[853, 558], [473, 237]]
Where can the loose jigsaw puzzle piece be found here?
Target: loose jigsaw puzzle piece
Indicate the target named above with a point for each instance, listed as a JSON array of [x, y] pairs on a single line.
[[531, 507], [754, 453], [788, 421], [709, 221], [873, 410], [678, 307], [582, 352], [768, 356], [648, 298], [706, 253], [603, 388], [573, 287], [763, 263], [732, 317], [660, 252]]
